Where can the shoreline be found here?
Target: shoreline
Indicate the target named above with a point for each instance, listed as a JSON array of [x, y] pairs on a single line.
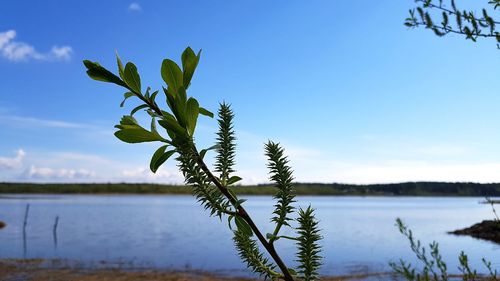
[[488, 230], [424, 189], [64, 270]]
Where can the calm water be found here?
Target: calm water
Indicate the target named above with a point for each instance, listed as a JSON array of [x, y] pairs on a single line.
[[174, 232]]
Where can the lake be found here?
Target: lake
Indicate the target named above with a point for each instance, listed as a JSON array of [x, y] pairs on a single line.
[[174, 232]]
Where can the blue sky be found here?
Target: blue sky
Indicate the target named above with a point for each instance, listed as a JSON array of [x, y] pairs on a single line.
[[352, 94]]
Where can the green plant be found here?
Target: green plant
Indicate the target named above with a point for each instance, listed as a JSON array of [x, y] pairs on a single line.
[[433, 267], [463, 22], [215, 193]]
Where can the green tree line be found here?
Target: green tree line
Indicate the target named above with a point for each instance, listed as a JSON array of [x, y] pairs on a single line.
[[394, 189]]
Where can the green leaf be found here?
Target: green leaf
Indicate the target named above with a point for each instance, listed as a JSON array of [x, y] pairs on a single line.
[[146, 95], [229, 218], [125, 97], [205, 112], [170, 98], [171, 74], [132, 78], [189, 64], [204, 151], [192, 111], [159, 157], [233, 179], [120, 65], [158, 153], [182, 94], [99, 73], [179, 111], [243, 226], [135, 135], [128, 120], [130, 131], [164, 158], [172, 125], [153, 96], [167, 115], [138, 108], [153, 128]]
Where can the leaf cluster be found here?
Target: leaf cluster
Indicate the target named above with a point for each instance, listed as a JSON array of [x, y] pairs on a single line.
[[454, 20], [433, 266]]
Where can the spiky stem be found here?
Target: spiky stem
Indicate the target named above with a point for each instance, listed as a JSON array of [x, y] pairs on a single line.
[[281, 175], [225, 140], [244, 214], [308, 254]]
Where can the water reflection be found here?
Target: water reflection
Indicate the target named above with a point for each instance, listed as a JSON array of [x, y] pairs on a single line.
[[173, 231]]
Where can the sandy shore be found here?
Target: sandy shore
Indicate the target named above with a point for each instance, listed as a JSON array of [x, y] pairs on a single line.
[[38, 270]]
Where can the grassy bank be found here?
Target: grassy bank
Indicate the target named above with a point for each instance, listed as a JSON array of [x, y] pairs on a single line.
[[397, 189]]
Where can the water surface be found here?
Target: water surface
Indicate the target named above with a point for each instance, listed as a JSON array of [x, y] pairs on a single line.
[[172, 231]]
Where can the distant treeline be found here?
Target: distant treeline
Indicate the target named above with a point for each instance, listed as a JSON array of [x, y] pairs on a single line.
[[395, 189]]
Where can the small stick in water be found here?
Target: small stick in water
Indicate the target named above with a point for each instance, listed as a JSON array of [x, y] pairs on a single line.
[[2, 224], [54, 231], [26, 213], [25, 244]]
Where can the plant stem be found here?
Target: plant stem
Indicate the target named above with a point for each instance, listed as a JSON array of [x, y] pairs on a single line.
[[241, 211], [448, 30], [244, 214], [451, 12]]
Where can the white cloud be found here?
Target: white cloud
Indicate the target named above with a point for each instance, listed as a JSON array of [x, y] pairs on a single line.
[[143, 174], [20, 51], [13, 120], [84, 131], [44, 173], [61, 53], [5, 37], [395, 162], [13, 162], [63, 166], [444, 150], [135, 7], [415, 171]]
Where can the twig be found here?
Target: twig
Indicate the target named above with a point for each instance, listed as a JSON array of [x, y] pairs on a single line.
[[25, 223], [54, 230]]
